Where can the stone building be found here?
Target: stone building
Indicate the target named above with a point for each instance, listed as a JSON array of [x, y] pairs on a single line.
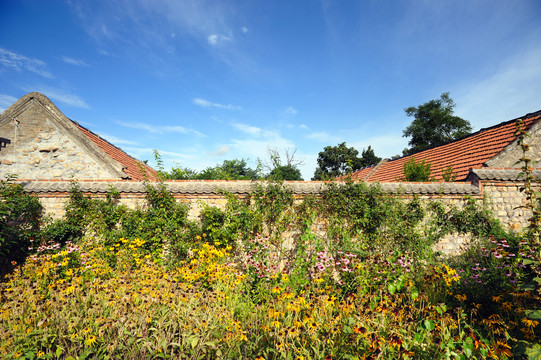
[[37, 141]]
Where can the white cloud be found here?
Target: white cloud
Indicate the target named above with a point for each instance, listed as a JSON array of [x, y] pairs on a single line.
[[512, 91], [116, 140], [19, 62], [206, 103], [72, 61], [244, 29], [140, 153], [290, 110], [61, 96], [303, 126], [222, 150], [160, 129], [248, 129], [214, 39], [323, 136], [6, 101]]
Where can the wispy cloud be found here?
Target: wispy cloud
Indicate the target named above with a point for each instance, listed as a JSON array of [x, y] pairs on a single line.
[[6, 101], [116, 140], [323, 136], [62, 96], [244, 29], [216, 39], [248, 129], [18, 62], [222, 150], [512, 91], [111, 21], [148, 153], [72, 61], [160, 129], [206, 103], [145, 28], [290, 110]]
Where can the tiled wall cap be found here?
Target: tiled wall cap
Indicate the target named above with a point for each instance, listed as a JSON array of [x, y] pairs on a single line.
[[240, 187], [501, 174]]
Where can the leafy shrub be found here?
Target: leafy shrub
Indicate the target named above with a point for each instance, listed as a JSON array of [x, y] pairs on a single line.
[[448, 174], [471, 218], [371, 217], [416, 171], [20, 218]]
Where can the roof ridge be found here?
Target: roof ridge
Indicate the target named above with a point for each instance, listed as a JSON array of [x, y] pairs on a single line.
[[376, 167]]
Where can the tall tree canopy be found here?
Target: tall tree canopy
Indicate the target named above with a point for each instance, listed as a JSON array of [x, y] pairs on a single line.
[[434, 124], [279, 171], [229, 170], [340, 160]]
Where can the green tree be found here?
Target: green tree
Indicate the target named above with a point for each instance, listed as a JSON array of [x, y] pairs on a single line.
[[239, 170], [285, 172], [368, 157], [279, 171], [229, 170], [434, 124], [335, 161]]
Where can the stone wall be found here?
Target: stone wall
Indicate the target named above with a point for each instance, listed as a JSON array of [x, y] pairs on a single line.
[[499, 188]]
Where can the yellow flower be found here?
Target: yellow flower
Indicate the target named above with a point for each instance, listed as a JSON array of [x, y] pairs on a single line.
[[502, 349], [40, 354], [91, 340], [530, 323]]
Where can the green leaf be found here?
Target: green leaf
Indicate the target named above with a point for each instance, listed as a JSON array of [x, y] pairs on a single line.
[[391, 288], [527, 287], [534, 352], [533, 314], [468, 347], [429, 325], [193, 341]]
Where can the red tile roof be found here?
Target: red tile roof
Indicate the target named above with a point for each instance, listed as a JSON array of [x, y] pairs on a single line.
[[132, 166], [468, 152]]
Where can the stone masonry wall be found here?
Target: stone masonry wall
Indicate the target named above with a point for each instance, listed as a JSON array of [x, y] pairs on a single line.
[[38, 149], [503, 198]]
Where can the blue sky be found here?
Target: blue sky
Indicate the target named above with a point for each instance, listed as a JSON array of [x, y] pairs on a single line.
[[205, 81]]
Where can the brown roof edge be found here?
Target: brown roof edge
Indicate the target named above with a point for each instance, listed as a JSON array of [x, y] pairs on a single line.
[[150, 172]]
